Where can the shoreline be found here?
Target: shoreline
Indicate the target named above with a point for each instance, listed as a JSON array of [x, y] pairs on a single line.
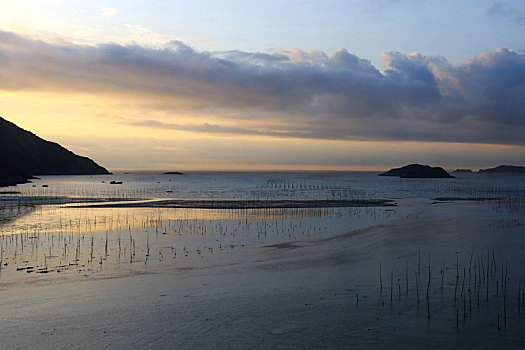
[[247, 204]]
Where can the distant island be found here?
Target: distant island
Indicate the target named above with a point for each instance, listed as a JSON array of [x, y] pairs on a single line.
[[418, 171], [462, 171], [24, 155], [173, 173], [504, 169]]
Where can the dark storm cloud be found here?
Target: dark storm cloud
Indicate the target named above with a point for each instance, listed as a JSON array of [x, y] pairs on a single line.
[[292, 93]]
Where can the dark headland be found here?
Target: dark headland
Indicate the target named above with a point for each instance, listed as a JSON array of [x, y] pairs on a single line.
[[173, 173], [418, 171], [23, 155], [504, 169]]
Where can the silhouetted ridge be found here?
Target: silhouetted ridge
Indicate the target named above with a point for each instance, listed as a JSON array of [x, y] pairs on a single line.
[[418, 171], [505, 169], [23, 154]]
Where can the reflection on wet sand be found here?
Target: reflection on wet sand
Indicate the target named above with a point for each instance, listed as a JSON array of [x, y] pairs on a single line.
[[90, 239]]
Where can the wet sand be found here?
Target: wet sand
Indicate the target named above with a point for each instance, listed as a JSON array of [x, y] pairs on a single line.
[[309, 293]]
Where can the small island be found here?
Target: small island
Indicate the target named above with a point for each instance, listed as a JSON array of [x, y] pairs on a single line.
[[173, 173], [418, 171], [504, 169]]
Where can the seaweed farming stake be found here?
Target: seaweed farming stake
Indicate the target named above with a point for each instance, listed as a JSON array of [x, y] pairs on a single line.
[[91, 253], [380, 278], [488, 262], [417, 289], [406, 275], [428, 287], [456, 289], [523, 292], [418, 261], [442, 275], [457, 264], [399, 290], [391, 285], [519, 296], [463, 294], [505, 296]]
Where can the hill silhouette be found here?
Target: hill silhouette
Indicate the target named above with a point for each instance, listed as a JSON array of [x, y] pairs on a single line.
[[23, 155], [462, 171], [504, 169], [418, 171]]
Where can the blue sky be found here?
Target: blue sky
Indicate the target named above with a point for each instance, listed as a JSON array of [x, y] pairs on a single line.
[[441, 27], [347, 82], [457, 30]]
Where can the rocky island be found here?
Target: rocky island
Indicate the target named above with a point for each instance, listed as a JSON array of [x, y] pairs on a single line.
[[418, 171], [23, 155]]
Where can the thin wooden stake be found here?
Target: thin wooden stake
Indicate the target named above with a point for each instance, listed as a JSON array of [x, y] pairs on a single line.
[[391, 286], [380, 278], [417, 289]]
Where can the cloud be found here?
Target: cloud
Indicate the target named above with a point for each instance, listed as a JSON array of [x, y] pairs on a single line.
[[109, 11], [144, 36], [286, 93], [515, 11]]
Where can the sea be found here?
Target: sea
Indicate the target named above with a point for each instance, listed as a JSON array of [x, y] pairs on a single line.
[[119, 263]]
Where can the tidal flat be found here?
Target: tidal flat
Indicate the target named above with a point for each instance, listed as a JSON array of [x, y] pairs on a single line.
[[424, 273]]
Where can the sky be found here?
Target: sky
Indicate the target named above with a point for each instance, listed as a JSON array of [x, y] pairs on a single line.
[[247, 85]]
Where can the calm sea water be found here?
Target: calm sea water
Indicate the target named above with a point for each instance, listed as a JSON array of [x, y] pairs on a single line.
[[273, 185], [424, 273]]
